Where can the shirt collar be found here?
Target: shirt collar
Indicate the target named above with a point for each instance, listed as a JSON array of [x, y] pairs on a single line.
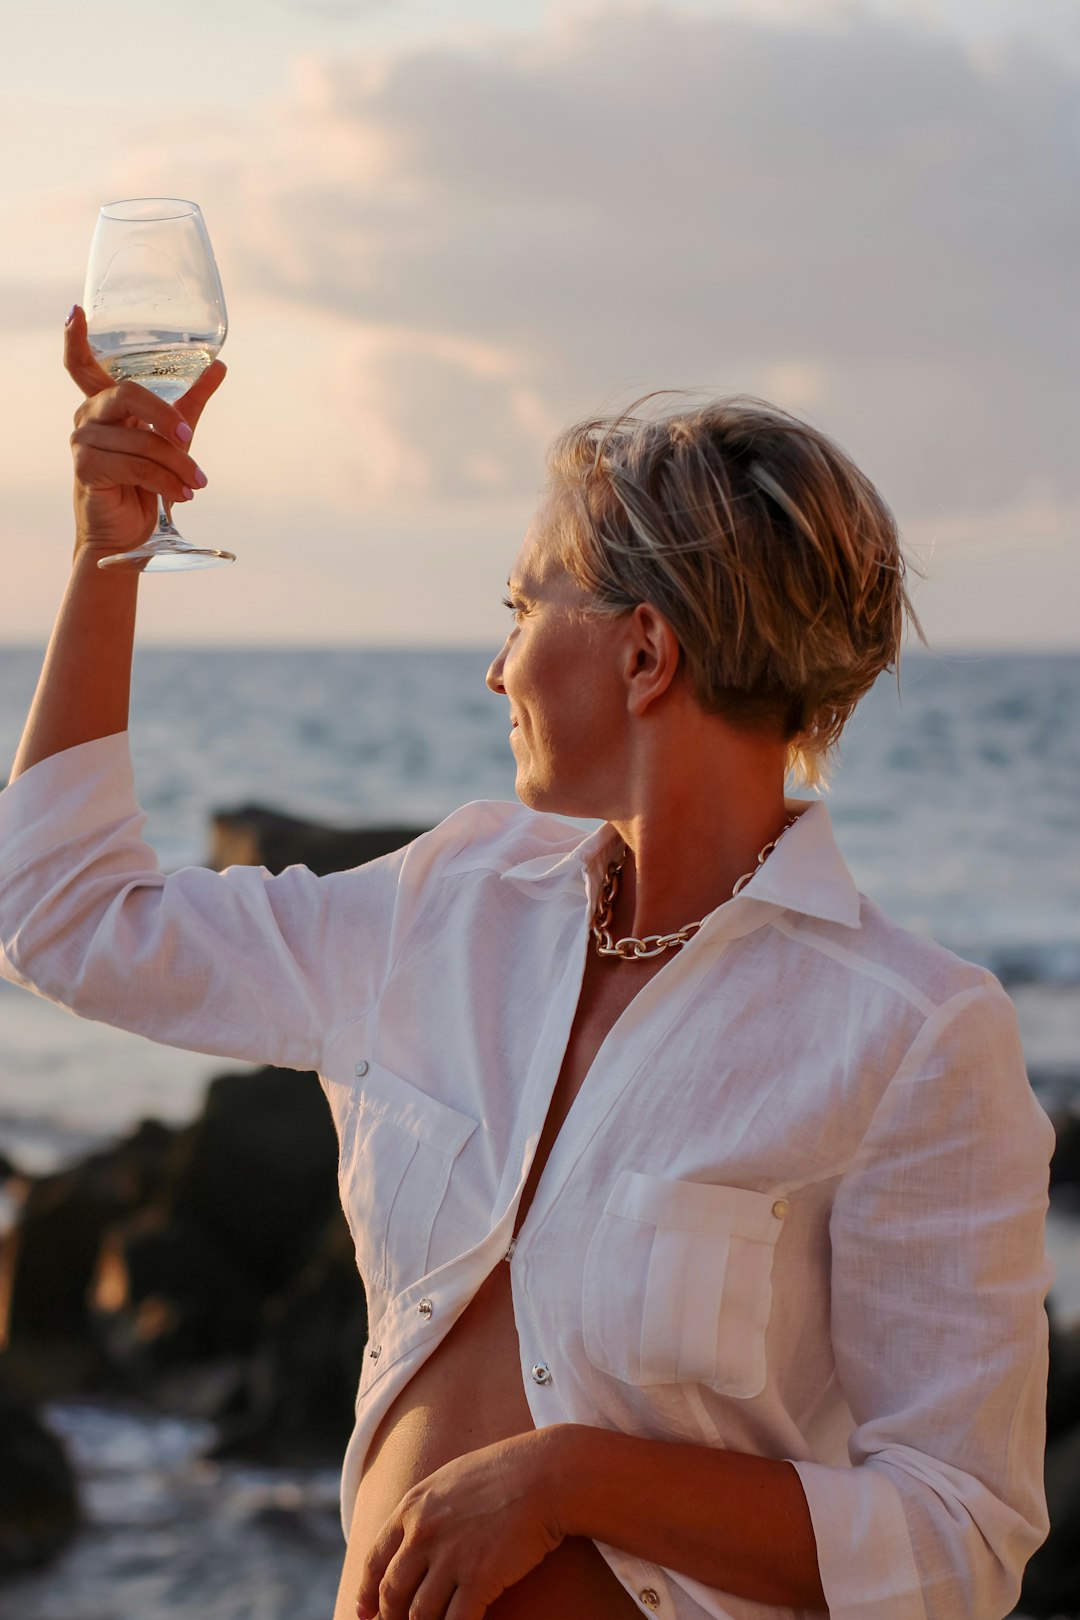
[[805, 873]]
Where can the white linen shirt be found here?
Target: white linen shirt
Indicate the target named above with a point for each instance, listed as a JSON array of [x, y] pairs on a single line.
[[797, 1208]]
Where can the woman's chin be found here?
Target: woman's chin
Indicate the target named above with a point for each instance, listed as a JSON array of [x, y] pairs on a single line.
[[551, 798], [535, 795]]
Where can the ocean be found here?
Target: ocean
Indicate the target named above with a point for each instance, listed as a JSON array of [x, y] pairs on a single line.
[[954, 803]]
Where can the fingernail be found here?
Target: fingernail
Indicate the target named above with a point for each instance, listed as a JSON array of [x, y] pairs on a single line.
[[189, 494], [184, 433], [71, 314], [201, 479]]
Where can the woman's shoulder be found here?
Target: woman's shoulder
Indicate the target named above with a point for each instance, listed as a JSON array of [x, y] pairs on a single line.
[[502, 833], [489, 836]]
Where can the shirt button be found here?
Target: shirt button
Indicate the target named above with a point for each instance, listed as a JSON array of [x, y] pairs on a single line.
[[541, 1373], [424, 1308], [650, 1598], [361, 1068], [780, 1208], [375, 1352]]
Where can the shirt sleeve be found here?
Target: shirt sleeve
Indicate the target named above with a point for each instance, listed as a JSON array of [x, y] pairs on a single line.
[[939, 1280], [237, 963]]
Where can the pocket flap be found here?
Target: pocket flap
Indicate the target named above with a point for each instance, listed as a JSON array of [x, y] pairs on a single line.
[[386, 1095], [694, 1206]]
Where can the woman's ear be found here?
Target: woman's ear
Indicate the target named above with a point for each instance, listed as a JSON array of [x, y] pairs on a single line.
[[651, 659]]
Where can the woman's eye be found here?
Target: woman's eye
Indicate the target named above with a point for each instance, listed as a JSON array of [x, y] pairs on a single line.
[[514, 607]]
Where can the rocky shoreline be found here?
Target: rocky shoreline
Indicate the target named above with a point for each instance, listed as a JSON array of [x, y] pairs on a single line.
[[206, 1271]]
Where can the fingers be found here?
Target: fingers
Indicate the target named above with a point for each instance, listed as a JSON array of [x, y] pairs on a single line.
[[84, 368], [192, 403], [464, 1607], [106, 455], [382, 1551], [409, 1591], [79, 359], [129, 402]]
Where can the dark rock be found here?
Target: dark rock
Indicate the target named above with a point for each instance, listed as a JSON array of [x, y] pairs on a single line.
[[252, 1189], [39, 1509], [209, 1269], [1051, 1588], [50, 1258], [1065, 1164], [255, 836], [171, 1296], [299, 1402], [1063, 1386], [260, 1175]]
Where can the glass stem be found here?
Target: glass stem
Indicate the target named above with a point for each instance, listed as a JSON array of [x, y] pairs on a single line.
[[166, 529]]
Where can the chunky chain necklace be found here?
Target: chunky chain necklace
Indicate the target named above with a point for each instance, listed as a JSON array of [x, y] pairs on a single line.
[[655, 944]]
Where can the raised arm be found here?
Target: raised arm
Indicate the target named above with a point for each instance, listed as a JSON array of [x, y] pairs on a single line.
[[240, 964], [129, 447]]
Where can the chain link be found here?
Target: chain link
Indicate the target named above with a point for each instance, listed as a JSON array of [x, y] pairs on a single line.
[[630, 949]]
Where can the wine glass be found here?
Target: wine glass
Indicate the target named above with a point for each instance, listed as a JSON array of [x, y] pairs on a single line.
[[155, 315]]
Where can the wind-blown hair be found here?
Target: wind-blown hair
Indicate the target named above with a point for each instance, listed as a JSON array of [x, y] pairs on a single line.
[[774, 559]]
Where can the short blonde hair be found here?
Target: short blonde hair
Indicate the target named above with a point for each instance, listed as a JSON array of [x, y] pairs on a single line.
[[774, 559]]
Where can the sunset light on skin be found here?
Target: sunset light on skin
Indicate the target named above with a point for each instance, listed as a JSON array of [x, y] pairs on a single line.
[[445, 231]]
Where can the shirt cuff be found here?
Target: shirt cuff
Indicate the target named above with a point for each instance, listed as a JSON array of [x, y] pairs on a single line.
[[865, 1557], [64, 796]]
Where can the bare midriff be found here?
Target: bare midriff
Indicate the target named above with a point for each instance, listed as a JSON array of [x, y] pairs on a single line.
[[469, 1393]]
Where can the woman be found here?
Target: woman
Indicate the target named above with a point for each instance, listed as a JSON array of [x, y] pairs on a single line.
[[699, 1207]]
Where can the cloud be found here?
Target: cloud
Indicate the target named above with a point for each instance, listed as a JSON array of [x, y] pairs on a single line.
[[858, 215], [26, 304]]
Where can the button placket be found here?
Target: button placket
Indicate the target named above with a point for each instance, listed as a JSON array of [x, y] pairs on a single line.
[[606, 1091], [553, 1036]]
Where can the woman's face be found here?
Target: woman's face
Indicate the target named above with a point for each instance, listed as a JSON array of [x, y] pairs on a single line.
[[559, 669]]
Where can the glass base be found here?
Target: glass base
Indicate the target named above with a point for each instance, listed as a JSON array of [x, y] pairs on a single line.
[[168, 557]]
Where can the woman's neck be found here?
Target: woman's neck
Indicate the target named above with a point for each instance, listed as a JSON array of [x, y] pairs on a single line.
[[693, 834]]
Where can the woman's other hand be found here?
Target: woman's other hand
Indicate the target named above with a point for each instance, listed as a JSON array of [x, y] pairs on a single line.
[[460, 1537], [129, 448]]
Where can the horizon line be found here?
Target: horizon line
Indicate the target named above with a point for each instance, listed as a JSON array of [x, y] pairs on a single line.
[[950, 650]]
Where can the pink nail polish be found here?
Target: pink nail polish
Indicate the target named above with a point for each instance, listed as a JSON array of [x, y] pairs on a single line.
[[189, 494], [184, 433], [71, 314], [201, 479]]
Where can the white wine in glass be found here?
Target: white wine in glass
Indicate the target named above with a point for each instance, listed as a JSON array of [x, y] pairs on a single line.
[[155, 315]]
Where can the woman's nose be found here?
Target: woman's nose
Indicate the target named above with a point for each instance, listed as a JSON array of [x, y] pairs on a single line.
[[493, 678]]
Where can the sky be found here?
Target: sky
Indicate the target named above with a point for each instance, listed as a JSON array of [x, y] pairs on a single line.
[[448, 228]]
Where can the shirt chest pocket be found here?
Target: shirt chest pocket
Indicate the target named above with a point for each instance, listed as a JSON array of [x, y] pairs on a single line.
[[678, 1283], [397, 1153]]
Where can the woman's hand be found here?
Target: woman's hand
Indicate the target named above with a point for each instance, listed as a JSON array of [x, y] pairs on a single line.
[[121, 466], [463, 1535]]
